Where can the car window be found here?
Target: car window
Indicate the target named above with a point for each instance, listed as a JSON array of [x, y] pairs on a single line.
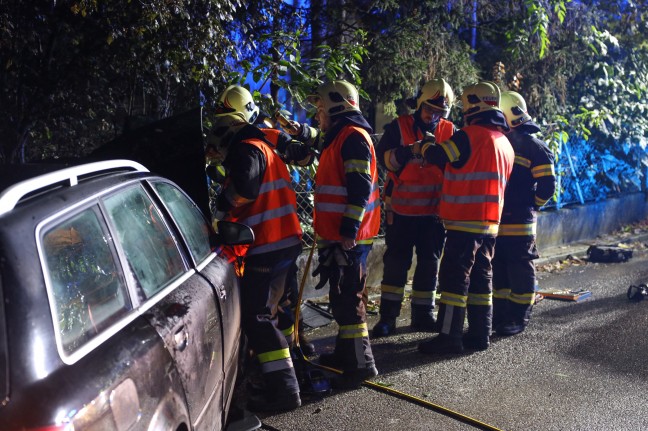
[[89, 292], [189, 219], [151, 251]]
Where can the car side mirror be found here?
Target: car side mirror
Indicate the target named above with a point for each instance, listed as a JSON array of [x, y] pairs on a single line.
[[232, 233]]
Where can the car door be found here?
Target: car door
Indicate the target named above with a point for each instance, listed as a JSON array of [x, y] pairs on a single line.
[[181, 304], [220, 274], [215, 270]]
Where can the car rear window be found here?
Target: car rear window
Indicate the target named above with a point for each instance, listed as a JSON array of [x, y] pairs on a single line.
[[87, 289], [189, 219], [151, 250]]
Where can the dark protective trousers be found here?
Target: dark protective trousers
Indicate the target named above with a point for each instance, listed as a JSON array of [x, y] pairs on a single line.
[[348, 304], [426, 235], [514, 279], [262, 288], [465, 280], [288, 304]]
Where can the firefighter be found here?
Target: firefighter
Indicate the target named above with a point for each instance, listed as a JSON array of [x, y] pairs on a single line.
[[346, 219], [411, 197], [478, 160], [532, 184], [237, 100], [258, 193]]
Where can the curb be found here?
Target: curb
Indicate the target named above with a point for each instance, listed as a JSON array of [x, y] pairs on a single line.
[[556, 254], [564, 254]]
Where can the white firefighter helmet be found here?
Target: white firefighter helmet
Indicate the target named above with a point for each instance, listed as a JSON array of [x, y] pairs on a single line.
[[237, 100], [223, 129], [514, 108], [481, 97], [337, 97], [437, 94]]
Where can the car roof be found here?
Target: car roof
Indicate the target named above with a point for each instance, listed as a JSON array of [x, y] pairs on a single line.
[[12, 174], [18, 182]]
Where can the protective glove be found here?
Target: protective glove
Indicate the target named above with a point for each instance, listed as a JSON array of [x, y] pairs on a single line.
[[428, 139], [331, 263], [403, 154], [416, 147], [426, 142], [327, 275], [296, 153]]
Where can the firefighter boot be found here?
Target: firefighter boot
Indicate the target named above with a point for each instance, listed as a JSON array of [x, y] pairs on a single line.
[[356, 362], [389, 311], [520, 314], [449, 340], [352, 379], [280, 402], [480, 318], [423, 318], [281, 393]]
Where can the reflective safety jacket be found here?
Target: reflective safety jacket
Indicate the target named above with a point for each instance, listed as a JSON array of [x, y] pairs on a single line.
[[331, 192], [472, 196], [273, 214], [417, 188], [272, 136]]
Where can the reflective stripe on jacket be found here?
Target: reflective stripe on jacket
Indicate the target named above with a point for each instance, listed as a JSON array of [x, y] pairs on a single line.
[[472, 196], [331, 192], [417, 188], [273, 214]]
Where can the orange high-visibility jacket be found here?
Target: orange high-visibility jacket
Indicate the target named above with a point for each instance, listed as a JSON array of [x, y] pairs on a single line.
[[418, 187], [331, 191], [475, 191], [272, 135], [273, 214]]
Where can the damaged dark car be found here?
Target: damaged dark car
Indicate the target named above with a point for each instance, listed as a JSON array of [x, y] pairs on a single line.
[[119, 309]]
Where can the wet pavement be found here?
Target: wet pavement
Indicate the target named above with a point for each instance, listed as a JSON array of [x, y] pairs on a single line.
[[578, 366]]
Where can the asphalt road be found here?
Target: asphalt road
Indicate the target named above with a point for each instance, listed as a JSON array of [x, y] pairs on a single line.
[[578, 366]]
